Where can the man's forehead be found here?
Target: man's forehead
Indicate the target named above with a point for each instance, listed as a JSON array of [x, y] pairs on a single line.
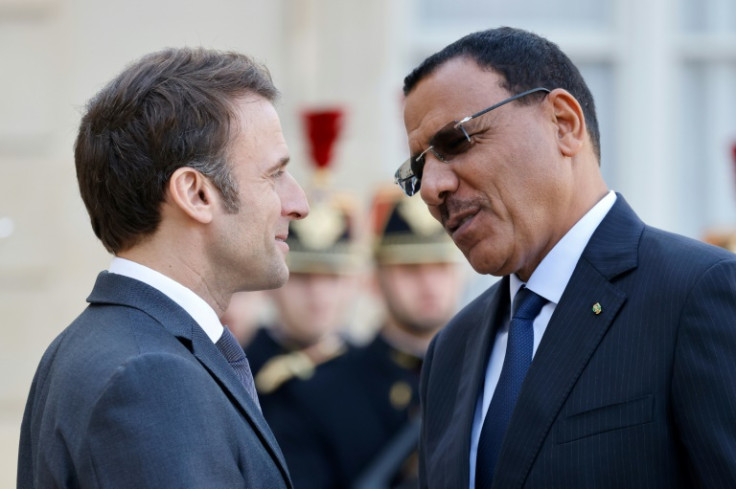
[[454, 90]]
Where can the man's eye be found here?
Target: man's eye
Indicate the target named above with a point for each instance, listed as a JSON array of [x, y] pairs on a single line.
[[452, 144]]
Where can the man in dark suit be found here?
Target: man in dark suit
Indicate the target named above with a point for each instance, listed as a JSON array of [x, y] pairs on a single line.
[[181, 165], [617, 368]]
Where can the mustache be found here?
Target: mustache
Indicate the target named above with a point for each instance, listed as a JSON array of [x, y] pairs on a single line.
[[454, 206]]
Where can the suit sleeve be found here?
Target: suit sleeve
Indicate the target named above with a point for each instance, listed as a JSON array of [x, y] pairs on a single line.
[[704, 377], [160, 422]]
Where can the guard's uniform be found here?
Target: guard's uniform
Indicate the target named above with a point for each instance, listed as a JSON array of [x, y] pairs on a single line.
[[339, 436], [277, 372]]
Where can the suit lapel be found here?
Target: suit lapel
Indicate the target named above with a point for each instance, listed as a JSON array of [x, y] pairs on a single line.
[[116, 289], [477, 349], [211, 358], [571, 338]]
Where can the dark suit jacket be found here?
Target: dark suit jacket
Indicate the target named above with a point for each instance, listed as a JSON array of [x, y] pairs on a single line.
[[133, 394], [642, 395]]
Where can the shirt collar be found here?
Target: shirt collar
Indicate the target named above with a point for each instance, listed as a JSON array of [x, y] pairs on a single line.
[[553, 273], [193, 304]]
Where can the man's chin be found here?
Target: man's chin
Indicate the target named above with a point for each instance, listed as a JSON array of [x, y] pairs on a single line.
[[277, 279], [484, 267]]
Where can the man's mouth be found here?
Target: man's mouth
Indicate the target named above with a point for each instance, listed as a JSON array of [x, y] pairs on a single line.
[[458, 220], [281, 239]]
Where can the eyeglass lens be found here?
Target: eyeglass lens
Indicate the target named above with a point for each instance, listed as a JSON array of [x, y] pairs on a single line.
[[450, 141]]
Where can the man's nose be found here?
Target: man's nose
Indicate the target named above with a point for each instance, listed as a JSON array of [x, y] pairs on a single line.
[[295, 203], [438, 179]]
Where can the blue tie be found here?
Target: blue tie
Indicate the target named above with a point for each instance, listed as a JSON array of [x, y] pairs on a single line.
[[235, 356], [519, 351]]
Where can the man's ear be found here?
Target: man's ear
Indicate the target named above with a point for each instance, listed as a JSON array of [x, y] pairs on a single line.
[[568, 115], [193, 193]]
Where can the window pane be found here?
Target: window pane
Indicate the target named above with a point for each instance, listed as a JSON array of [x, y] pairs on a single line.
[[708, 16], [706, 134], [493, 12]]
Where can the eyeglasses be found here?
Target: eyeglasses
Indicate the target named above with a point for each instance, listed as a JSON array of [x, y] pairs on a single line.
[[450, 141]]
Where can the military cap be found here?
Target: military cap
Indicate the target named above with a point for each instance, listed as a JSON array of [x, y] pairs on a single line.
[[404, 232], [328, 239]]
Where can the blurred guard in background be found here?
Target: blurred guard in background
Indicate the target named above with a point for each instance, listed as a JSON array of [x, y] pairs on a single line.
[[324, 263], [354, 423]]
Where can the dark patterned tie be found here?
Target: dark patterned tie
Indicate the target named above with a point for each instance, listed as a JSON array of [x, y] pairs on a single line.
[[519, 351], [233, 352]]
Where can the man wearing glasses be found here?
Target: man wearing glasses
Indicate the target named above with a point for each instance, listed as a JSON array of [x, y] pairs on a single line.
[[605, 355]]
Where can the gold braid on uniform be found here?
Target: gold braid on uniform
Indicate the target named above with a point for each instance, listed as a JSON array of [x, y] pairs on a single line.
[[299, 364]]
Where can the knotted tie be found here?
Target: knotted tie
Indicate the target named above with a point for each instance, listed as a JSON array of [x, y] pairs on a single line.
[[519, 349], [234, 354]]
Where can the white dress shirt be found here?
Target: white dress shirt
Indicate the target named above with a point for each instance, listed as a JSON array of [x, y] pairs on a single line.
[[549, 281], [193, 304]]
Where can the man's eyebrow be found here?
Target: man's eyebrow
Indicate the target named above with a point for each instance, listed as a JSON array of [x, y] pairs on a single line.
[[280, 163]]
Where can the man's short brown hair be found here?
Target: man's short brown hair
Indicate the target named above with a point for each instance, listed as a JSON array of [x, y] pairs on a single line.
[[170, 109]]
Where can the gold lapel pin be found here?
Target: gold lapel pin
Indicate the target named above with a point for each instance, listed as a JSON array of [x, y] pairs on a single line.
[[597, 309]]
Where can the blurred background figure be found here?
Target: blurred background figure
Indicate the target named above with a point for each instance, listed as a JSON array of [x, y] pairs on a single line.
[[325, 265], [325, 259], [725, 238], [354, 423]]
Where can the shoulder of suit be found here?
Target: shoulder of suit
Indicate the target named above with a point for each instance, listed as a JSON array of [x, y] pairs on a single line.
[[687, 252], [97, 377]]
